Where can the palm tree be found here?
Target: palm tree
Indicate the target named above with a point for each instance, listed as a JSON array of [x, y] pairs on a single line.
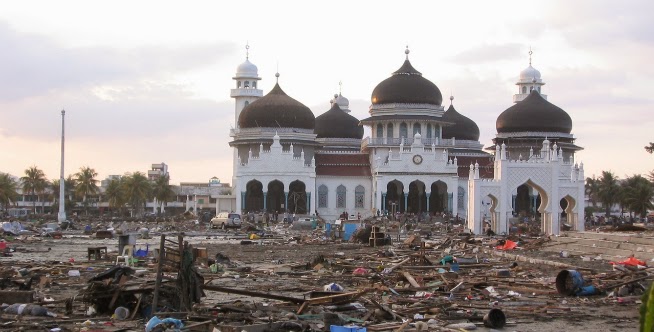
[[87, 184], [608, 191], [115, 193], [637, 195], [34, 182], [592, 188], [137, 190], [8, 190], [162, 191]]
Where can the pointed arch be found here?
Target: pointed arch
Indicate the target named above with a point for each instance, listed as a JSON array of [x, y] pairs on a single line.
[[359, 196], [323, 194], [341, 197]]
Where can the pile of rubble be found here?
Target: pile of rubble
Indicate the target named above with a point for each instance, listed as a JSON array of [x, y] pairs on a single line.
[[280, 279]]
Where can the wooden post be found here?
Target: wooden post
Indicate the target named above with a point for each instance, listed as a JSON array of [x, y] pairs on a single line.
[[157, 283]]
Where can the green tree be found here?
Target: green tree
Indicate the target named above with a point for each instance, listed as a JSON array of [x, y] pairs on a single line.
[[137, 190], [637, 195], [86, 184], [8, 190], [115, 194], [592, 190], [608, 191], [34, 183], [650, 147], [162, 191]]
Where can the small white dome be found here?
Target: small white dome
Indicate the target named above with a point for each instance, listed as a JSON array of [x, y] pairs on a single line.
[[530, 73], [342, 102], [247, 69]]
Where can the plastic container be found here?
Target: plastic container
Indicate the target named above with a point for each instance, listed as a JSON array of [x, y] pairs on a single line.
[[121, 313], [569, 282], [495, 319]]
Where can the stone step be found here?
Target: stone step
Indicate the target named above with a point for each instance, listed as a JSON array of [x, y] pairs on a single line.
[[618, 237], [600, 243]]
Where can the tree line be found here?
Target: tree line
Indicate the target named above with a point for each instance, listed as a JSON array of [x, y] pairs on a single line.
[[633, 194], [132, 190]]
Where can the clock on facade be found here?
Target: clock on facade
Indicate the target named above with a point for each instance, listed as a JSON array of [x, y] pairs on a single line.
[[417, 159]]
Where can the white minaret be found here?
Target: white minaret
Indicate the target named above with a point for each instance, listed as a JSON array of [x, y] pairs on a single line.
[[529, 80], [247, 91], [61, 216]]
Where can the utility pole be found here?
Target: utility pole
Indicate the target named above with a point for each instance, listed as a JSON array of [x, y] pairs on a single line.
[[61, 217]]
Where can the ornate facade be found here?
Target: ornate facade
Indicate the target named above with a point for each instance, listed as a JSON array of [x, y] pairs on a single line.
[[420, 158]]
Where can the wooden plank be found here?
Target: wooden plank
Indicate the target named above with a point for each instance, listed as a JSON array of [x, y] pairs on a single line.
[[410, 279], [253, 293]]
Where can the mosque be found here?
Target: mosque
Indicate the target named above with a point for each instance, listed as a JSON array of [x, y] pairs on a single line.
[[420, 158]]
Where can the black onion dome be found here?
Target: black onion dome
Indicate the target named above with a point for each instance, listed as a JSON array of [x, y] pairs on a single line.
[[463, 128], [336, 123], [535, 114], [407, 86], [276, 109]]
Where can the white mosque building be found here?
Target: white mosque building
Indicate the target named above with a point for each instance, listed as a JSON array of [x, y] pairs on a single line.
[[420, 157]]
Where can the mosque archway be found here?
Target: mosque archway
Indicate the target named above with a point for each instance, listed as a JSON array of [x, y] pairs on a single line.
[[417, 200], [526, 202], [297, 197], [439, 198], [568, 216], [254, 196], [275, 197], [394, 197]]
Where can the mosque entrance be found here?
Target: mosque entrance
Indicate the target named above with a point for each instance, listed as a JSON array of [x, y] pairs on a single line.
[[253, 196], [417, 200], [275, 196], [394, 197], [568, 216], [297, 197], [526, 202], [438, 199]]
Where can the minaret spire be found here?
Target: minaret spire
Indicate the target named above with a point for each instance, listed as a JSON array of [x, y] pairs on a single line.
[[530, 53], [247, 50], [406, 51]]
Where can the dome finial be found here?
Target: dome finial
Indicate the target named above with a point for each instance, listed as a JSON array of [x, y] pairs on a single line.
[[277, 73], [451, 99], [247, 50], [340, 87], [406, 51], [530, 53]]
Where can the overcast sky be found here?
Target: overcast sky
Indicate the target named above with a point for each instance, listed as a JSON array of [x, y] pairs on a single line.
[[145, 82]]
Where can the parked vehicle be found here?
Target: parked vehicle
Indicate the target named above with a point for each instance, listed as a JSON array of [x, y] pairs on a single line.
[[226, 220]]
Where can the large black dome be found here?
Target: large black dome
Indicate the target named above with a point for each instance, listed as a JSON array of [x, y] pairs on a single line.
[[336, 123], [463, 128], [276, 109], [407, 86], [535, 114]]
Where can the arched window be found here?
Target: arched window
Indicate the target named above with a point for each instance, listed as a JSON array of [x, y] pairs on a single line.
[[429, 131], [437, 131], [247, 84], [416, 129], [531, 88], [461, 195], [404, 131], [246, 103], [254, 84], [322, 196], [238, 84], [341, 197], [359, 193], [380, 130], [538, 89], [389, 130], [524, 89]]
